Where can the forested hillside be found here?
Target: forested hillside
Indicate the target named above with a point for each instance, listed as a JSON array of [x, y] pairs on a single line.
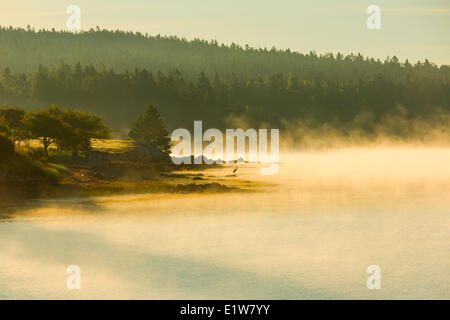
[[23, 50], [116, 74]]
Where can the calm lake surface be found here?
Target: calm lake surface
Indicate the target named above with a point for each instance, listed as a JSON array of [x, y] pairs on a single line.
[[310, 234]]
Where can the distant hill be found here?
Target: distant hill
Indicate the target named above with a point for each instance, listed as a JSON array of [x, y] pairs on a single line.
[[116, 74], [22, 50]]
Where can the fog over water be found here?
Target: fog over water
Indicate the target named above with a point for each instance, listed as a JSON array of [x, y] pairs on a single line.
[[310, 231]]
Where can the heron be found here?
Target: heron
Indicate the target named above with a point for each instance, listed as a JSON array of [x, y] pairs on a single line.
[[235, 169]]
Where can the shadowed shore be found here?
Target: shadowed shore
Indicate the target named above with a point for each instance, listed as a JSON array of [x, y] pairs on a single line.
[[119, 178]]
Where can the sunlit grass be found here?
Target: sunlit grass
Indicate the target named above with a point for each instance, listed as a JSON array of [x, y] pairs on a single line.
[[113, 146]]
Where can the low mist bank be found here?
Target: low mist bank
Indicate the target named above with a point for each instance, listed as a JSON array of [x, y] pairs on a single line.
[[311, 234], [396, 129]]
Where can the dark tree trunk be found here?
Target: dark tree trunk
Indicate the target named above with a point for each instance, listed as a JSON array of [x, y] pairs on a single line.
[[46, 143]]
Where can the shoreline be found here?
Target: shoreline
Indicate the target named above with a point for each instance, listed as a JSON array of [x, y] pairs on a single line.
[[121, 178]]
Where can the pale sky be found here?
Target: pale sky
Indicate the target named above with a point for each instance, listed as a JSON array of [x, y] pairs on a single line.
[[413, 29]]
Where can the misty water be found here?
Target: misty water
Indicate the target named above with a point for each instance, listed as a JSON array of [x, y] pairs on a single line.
[[310, 231]]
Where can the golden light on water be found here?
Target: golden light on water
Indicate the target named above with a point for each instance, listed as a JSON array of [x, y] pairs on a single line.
[[309, 232]]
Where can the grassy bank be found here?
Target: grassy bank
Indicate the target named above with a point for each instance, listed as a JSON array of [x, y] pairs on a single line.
[[29, 175]]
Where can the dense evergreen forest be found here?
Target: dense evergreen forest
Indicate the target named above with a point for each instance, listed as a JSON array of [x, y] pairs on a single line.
[[116, 74]]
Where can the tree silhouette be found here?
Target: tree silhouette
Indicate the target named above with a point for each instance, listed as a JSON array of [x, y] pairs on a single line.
[[150, 130], [47, 125]]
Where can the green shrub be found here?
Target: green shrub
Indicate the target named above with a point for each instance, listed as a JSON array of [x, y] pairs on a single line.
[[7, 148]]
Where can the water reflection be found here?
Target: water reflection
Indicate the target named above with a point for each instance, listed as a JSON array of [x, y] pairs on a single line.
[[328, 216]]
